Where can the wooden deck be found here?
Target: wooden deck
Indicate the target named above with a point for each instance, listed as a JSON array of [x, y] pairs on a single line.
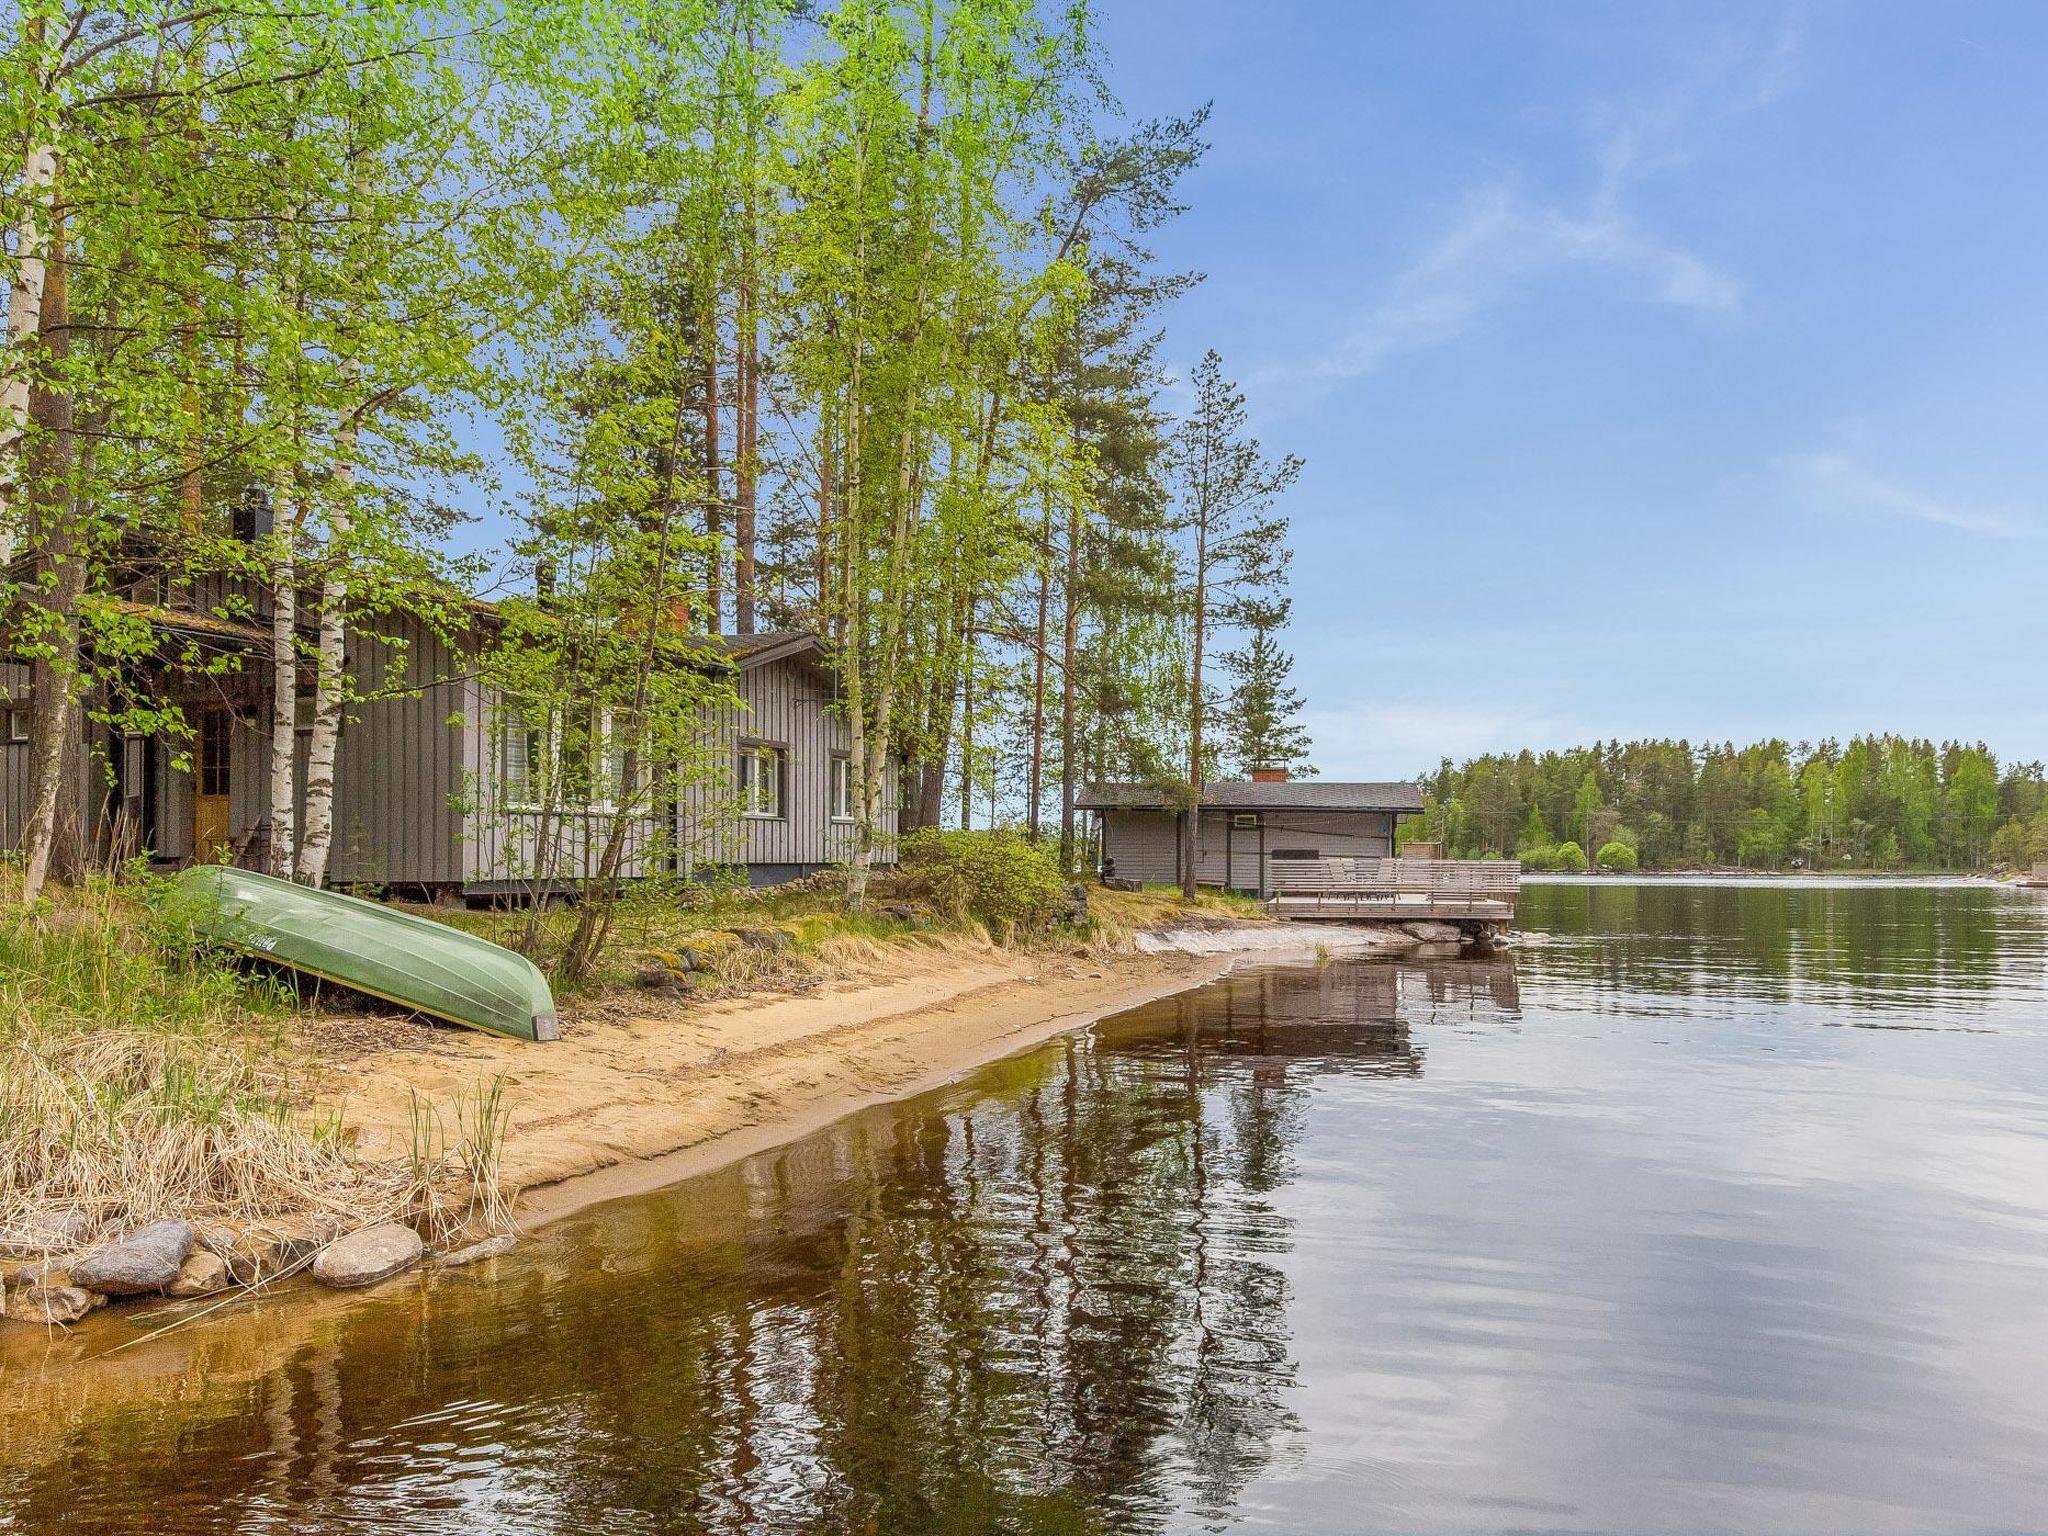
[[1395, 890]]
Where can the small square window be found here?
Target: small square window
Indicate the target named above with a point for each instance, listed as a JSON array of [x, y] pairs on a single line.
[[18, 724]]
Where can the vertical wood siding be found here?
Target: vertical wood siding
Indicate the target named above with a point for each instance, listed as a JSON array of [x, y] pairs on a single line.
[[14, 763], [1144, 844], [398, 768], [785, 703]]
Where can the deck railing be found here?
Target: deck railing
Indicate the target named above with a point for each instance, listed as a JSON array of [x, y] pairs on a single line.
[[1375, 886]]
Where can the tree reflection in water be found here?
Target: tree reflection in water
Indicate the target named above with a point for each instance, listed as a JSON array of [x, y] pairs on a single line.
[[1052, 1299]]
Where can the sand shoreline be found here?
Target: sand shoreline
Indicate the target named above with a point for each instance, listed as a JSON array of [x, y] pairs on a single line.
[[644, 1095]]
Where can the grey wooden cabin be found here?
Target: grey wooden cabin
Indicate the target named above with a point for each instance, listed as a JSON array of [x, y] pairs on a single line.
[[423, 798], [1246, 827]]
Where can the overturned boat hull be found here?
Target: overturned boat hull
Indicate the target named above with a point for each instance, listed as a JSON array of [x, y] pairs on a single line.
[[425, 966]]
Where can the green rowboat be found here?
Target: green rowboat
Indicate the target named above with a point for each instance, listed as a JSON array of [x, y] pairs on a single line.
[[426, 966]]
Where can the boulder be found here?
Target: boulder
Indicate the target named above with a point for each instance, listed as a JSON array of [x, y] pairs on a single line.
[[365, 1257], [146, 1260], [654, 978], [898, 911], [1431, 932], [1114, 883], [200, 1275], [475, 1253], [257, 1256], [763, 938], [46, 1232], [49, 1304], [44, 1272]]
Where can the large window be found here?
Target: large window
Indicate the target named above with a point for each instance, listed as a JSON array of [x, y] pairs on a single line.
[[760, 780], [842, 789], [546, 757]]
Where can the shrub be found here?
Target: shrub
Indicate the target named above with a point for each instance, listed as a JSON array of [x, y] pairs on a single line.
[[1616, 856], [1539, 857], [1569, 857], [999, 877]]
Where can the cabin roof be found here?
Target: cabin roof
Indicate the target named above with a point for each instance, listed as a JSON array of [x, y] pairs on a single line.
[[748, 651], [1248, 795]]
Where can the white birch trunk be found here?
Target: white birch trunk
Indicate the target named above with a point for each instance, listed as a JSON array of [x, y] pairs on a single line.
[[24, 326], [329, 684], [284, 686]]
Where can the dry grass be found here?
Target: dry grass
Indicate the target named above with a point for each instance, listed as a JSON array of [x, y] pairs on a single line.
[[141, 1078]]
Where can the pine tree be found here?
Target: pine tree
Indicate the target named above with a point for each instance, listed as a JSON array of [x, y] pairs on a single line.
[[1260, 724]]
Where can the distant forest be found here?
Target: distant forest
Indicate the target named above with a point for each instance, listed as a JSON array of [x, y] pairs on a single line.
[[1879, 802]]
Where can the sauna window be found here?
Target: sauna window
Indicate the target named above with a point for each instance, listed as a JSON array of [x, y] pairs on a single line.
[[1245, 821], [1294, 853]]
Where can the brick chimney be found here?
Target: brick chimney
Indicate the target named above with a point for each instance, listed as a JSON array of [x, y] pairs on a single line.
[[1269, 775]]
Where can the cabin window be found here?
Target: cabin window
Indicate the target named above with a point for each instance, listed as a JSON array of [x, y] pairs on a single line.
[[545, 758], [215, 727], [617, 786], [17, 724], [1294, 853], [761, 776], [1245, 821], [842, 789]]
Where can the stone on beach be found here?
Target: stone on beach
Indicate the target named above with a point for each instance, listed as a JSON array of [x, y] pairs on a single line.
[[201, 1275], [475, 1253], [146, 1260], [46, 1232], [49, 1304], [256, 1256], [365, 1257], [1432, 932]]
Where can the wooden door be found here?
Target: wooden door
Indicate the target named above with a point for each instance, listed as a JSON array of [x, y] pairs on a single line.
[[212, 773]]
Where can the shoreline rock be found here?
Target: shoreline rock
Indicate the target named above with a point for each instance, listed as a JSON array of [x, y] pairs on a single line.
[[50, 1305], [476, 1253], [143, 1262], [202, 1275], [365, 1257]]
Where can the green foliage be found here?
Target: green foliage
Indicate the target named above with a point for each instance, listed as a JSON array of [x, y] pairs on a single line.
[[1000, 877], [1617, 856], [1568, 858], [1878, 802]]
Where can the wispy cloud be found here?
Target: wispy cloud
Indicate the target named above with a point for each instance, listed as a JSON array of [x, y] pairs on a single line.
[[1502, 236], [1392, 738], [1841, 485]]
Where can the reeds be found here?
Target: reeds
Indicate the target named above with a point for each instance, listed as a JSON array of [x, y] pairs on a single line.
[[142, 1078]]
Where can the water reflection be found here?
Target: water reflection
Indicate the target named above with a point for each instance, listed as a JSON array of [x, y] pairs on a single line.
[[1055, 1299], [1620, 1235]]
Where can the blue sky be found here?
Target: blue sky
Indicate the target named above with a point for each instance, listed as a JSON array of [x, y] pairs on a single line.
[[1661, 369]]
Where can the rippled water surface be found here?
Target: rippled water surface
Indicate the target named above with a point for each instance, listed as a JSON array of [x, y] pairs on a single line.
[[1718, 1208]]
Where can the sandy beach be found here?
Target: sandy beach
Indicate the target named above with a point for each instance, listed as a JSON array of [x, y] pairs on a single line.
[[640, 1094]]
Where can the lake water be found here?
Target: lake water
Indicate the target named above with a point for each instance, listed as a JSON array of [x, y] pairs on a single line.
[[1716, 1208]]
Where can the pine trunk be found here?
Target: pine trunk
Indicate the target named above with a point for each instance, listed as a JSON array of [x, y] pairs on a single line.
[[1070, 644], [1035, 795]]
